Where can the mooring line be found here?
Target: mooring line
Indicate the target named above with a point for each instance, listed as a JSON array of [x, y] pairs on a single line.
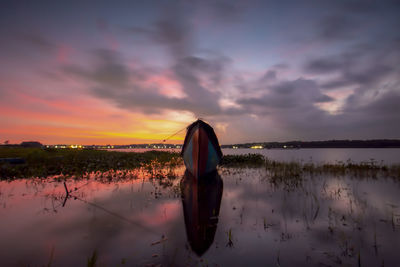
[[69, 195], [172, 135], [116, 215]]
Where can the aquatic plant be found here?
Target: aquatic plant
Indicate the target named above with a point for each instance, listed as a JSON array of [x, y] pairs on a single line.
[[247, 160], [91, 262], [294, 171], [288, 174]]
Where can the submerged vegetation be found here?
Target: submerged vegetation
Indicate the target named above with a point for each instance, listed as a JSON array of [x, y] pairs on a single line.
[[37, 162]]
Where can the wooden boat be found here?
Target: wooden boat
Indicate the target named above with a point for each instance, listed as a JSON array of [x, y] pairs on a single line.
[[201, 201], [201, 151]]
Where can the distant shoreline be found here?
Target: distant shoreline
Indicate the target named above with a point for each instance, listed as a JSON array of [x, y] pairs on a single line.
[[378, 143], [374, 143]]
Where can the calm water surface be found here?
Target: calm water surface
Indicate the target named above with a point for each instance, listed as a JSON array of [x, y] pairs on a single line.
[[316, 155], [328, 155], [237, 217]]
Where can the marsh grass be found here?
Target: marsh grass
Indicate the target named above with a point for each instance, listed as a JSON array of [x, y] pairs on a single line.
[[48, 162], [296, 170], [292, 175], [247, 160], [111, 165]]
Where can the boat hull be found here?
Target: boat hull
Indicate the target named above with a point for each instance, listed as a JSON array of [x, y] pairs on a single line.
[[201, 152]]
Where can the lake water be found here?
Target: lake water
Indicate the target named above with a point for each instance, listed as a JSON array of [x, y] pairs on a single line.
[[316, 155], [328, 155], [238, 217]]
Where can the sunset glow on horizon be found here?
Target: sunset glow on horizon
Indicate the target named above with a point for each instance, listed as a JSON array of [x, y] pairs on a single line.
[[136, 73]]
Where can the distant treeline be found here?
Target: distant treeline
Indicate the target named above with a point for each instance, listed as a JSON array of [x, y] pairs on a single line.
[[379, 143]]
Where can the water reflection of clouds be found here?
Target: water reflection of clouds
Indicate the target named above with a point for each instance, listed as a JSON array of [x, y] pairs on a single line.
[[308, 225], [305, 215], [162, 213]]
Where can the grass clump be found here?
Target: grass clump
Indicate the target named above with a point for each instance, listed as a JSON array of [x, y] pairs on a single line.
[[247, 160], [290, 174]]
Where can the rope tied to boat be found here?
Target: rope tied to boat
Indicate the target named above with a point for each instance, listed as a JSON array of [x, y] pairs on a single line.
[[172, 135]]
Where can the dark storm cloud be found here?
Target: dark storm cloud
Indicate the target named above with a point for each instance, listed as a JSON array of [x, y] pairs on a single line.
[[36, 40], [213, 68], [228, 11], [363, 66], [22, 42], [189, 69], [270, 75], [174, 33], [355, 20], [337, 27], [129, 88], [175, 24], [366, 78], [171, 29], [108, 70], [289, 107], [371, 110], [384, 105], [324, 65], [300, 93], [113, 80], [281, 66], [199, 76], [378, 117]]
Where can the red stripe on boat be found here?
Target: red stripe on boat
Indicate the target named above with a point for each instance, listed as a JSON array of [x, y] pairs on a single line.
[[195, 152], [203, 148]]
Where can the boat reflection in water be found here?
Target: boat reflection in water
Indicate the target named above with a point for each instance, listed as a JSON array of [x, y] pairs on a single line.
[[201, 199]]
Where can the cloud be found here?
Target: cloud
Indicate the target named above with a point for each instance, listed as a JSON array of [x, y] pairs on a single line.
[[363, 66], [108, 70], [291, 106], [299, 93], [171, 29], [353, 49], [37, 40], [368, 77], [133, 89], [199, 75], [225, 11], [348, 21], [25, 45], [324, 65], [337, 27], [290, 109], [270, 75], [378, 117]]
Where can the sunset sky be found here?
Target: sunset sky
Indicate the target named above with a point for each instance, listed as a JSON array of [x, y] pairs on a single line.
[[124, 72]]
